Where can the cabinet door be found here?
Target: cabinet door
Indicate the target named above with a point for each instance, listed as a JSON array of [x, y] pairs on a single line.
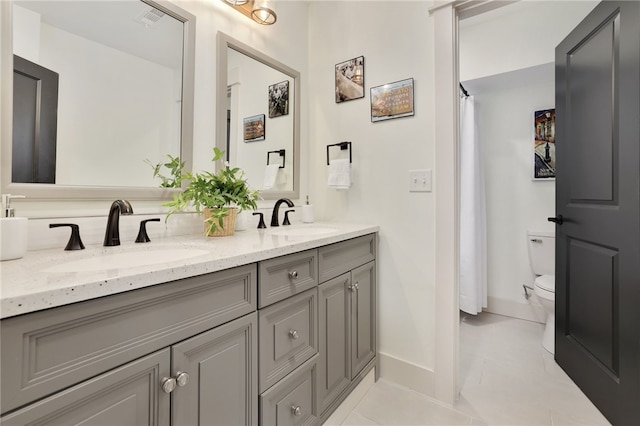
[[222, 367], [128, 395], [333, 315], [363, 314]]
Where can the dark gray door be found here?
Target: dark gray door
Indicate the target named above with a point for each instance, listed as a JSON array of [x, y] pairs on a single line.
[[598, 197], [35, 122]]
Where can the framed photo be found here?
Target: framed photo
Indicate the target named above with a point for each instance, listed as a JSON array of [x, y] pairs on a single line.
[[279, 99], [254, 128], [393, 100], [350, 80], [544, 145]]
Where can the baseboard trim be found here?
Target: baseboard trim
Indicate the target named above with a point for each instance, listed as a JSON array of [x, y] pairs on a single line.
[[528, 310], [407, 374]]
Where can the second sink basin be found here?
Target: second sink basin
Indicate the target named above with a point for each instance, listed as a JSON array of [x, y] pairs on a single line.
[[126, 260]]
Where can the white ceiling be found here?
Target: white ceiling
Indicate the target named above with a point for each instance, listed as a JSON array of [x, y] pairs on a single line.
[[116, 24]]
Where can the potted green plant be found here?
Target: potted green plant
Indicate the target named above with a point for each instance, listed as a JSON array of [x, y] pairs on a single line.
[[219, 195]]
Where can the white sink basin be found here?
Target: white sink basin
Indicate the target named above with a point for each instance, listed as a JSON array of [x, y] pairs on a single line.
[[126, 260], [304, 231]]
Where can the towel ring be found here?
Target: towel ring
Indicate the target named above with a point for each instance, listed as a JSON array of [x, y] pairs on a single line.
[[282, 154], [343, 146]]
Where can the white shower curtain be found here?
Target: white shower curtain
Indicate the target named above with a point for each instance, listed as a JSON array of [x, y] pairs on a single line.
[[473, 223]]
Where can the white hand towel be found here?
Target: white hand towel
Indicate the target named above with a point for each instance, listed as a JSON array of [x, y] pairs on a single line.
[[339, 174], [270, 175]]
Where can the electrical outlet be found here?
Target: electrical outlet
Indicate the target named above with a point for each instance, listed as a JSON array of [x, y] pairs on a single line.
[[419, 180]]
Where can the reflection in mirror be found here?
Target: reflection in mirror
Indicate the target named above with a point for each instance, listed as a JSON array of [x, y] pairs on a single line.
[[124, 95], [258, 118]]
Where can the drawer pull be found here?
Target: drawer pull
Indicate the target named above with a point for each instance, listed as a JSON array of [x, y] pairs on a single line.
[[293, 275], [168, 384], [182, 378], [296, 410], [293, 334]]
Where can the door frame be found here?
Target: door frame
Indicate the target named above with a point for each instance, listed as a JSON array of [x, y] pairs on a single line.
[[446, 15]]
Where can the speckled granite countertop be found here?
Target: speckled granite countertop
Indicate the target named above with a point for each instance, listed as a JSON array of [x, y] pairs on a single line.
[[46, 278]]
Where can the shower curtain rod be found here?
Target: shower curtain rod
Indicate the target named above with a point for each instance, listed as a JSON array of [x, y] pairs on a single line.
[[464, 91]]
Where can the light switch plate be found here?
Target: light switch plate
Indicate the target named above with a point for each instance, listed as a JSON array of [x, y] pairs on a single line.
[[420, 180]]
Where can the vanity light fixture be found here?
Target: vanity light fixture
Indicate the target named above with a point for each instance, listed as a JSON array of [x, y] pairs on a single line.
[[260, 11]]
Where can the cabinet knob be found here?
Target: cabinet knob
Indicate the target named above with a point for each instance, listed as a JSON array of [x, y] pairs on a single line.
[[293, 275], [182, 378], [353, 287], [293, 334], [296, 410], [168, 384]]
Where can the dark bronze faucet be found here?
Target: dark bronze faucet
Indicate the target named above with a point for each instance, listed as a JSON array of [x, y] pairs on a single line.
[[112, 235], [276, 210]]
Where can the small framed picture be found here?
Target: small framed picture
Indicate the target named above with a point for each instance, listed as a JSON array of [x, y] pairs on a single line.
[[393, 100], [350, 80], [279, 99], [254, 128], [544, 145]]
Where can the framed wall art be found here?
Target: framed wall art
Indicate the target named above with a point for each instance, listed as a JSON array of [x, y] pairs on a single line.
[[279, 99], [254, 128], [544, 145], [350, 80], [393, 100]]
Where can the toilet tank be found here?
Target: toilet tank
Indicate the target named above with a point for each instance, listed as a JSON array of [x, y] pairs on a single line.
[[542, 252]]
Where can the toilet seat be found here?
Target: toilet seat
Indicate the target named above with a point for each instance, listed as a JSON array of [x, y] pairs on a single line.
[[545, 287]]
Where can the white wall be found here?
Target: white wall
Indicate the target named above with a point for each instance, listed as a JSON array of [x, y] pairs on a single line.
[[396, 40], [99, 85], [505, 106], [286, 42], [251, 80], [502, 63], [517, 36]]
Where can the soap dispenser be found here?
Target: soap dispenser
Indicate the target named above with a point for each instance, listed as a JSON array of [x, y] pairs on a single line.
[[307, 212], [13, 231]]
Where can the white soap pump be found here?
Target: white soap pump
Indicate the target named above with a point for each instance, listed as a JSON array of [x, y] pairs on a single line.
[[13, 231], [8, 211], [307, 212]]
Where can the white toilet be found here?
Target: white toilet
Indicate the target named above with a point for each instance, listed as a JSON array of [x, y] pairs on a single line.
[[542, 251]]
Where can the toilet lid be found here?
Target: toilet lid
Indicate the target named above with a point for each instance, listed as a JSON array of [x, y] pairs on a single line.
[[546, 282]]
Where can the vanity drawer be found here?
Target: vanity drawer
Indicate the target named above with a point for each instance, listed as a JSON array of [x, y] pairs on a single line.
[[288, 336], [44, 352], [338, 258], [285, 276], [293, 400]]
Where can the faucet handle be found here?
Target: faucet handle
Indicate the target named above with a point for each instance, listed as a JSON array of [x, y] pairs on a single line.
[[261, 224], [142, 232], [286, 217], [75, 242]]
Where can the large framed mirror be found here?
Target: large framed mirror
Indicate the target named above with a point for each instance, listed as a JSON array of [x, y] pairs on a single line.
[[258, 117], [125, 78]]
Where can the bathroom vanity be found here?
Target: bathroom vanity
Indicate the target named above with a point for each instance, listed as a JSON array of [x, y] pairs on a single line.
[[271, 326]]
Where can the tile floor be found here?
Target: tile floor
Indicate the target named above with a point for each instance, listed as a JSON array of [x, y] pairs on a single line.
[[506, 378]]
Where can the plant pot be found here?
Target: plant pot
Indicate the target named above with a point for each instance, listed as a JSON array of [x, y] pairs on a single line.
[[228, 223]]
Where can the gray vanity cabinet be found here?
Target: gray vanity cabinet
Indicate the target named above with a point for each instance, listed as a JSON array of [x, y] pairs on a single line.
[[79, 362], [222, 386], [347, 317], [128, 395]]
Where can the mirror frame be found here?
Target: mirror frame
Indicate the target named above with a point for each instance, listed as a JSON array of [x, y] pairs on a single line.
[[225, 42], [38, 191]]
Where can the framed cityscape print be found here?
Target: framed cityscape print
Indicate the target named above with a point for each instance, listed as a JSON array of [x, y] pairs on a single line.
[[279, 99], [254, 128], [393, 100], [544, 145], [350, 80]]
